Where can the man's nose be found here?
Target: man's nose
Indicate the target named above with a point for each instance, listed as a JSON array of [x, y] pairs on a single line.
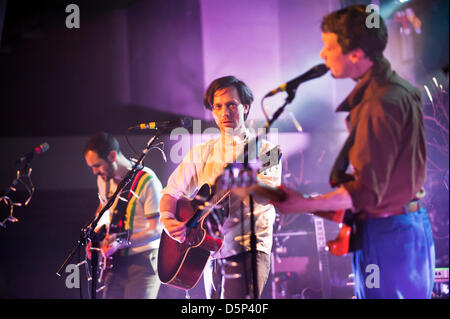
[[225, 111]]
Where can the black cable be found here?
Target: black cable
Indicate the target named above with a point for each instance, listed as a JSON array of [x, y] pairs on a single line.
[[244, 252], [79, 272], [131, 146]]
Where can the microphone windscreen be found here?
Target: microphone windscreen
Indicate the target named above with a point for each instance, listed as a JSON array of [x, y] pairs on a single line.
[[44, 147], [186, 122]]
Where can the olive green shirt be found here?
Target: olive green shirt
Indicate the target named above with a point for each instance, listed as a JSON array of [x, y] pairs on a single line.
[[388, 153]]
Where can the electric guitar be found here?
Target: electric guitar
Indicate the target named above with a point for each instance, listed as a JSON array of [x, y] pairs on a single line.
[[122, 235]]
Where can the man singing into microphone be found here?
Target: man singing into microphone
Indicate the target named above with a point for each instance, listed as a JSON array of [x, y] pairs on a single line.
[[387, 155], [229, 272], [133, 274]]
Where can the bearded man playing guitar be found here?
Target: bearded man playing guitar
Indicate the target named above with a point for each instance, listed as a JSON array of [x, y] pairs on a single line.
[[228, 273], [133, 230]]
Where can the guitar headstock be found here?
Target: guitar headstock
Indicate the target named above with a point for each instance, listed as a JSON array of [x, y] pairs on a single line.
[[242, 181], [236, 175]]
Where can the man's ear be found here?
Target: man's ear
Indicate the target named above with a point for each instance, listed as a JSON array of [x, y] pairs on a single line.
[[246, 108], [357, 55], [112, 156]]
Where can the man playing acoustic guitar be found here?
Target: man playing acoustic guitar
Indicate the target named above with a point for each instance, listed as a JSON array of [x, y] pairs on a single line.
[[228, 274], [386, 149]]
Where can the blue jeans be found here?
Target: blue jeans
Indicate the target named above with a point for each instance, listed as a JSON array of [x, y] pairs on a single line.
[[396, 259]]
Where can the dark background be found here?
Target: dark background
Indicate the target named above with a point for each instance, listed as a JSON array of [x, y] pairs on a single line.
[[136, 60]]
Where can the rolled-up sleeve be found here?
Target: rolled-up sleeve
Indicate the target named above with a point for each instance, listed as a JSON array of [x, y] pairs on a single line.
[[183, 180], [152, 197]]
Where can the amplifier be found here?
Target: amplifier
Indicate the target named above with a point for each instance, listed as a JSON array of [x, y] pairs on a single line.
[[441, 275]]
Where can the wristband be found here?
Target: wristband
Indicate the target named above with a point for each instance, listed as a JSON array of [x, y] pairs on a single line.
[[166, 215]]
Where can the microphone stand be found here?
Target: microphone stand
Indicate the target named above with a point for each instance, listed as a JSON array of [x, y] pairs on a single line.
[[253, 250], [288, 100], [88, 231], [269, 122], [246, 167]]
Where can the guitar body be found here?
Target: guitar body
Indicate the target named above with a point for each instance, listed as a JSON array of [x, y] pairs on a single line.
[[341, 245], [346, 241], [181, 264]]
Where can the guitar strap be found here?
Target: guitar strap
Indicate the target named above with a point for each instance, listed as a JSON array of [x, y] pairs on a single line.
[[118, 217], [123, 214], [339, 176]]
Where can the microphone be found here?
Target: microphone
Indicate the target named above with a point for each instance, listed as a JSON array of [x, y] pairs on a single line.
[[44, 147], [292, 85], [183, 122]]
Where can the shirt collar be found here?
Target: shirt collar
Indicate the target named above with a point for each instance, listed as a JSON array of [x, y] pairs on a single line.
[[379, 72], [239, 138]]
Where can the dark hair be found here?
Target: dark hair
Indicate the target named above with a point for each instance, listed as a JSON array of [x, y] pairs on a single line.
[[350, 26], [244, 92], [102, 143]]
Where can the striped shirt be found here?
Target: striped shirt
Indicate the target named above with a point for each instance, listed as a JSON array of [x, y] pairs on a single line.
[[143, 204]]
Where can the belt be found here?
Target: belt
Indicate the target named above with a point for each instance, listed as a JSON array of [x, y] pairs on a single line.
[[411, 207]]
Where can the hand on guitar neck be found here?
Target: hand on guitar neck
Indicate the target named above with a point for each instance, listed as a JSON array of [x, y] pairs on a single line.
[[109, 245]]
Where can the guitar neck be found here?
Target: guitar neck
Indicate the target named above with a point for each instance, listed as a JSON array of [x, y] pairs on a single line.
[[276, 194], [205, 209], [335, 216]]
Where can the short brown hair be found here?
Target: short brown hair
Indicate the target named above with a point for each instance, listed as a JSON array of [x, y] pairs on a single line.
[[102, 143], [350, 26], [244, 92]]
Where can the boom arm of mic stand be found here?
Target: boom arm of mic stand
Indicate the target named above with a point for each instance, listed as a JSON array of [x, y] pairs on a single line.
[[289, 99]]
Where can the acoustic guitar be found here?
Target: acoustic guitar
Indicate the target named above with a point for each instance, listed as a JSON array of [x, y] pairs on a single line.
[[181, 264]]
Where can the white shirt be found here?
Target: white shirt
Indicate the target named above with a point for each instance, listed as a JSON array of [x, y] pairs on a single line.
[[203, 164]]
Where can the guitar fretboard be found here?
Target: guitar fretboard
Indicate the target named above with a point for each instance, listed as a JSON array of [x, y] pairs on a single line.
[[204, 210]]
